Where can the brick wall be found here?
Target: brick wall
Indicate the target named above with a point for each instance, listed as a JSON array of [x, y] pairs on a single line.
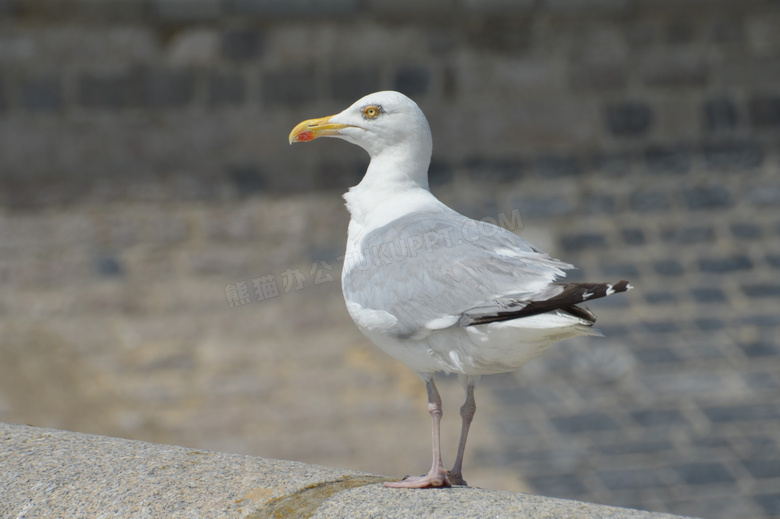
[[144, 168]]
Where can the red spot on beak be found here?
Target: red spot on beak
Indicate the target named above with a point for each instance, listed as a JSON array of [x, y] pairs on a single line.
[[304, 136]]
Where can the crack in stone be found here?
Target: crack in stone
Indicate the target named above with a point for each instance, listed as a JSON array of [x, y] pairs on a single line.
[[305, 502]]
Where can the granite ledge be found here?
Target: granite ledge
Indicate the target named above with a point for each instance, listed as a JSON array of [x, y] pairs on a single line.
[[53, 473]]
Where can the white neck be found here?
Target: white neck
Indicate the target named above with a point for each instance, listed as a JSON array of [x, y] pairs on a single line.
[[396, 179]]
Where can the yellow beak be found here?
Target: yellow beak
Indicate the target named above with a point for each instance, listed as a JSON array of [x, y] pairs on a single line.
[[313, 128]]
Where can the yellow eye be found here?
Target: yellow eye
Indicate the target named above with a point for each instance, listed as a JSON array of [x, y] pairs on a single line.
[[371, 111]]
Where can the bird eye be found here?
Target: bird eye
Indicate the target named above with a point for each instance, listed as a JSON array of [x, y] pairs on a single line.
[[371, 111]]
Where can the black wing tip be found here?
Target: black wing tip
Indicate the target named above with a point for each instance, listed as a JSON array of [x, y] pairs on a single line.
[[573, 294], [621, 286]]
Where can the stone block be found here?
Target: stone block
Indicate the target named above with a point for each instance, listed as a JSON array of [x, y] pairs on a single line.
[[763, 468], [226, 88], [773, 260], [719, 115], [589, 7], [525, 395], [725, 264], [762, 445], [495, 169], [247, 179], [499, 34], [676, 160], [711, 442], [668, 268], [186, 11], [660, 326], [598, 76], [704, 473], [112, 90], [630, 479], [769, 502], [679, 33], [581, 241], [10, 7], [764, 111], [242, 45], [749, 71], [620, 270], [167, 88], [733, 156], [614, 330], [633, 236], [440, 172], [659, 418], [708, 324], [599, 204], [556, 166], [42, 94], [762, 321], [688, 235], [761, 381], [760, 349], [629, 119], [107, 265], [498, 7], [543, 207], [764, 195], [400, 10], [703, 198], [116, 11], [742, 413], [641, 35], [289, 87], [762, 291], [746, 231], [332, 174], [708, 295], [292, 8], [348, 85], [614, 164], [412, 81], [661, 297], [649, 201], [3, 96], [584, 423], [674, 70], [193, 48], [656, 356]]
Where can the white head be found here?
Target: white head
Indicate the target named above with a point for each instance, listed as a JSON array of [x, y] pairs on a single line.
[[388, 125]]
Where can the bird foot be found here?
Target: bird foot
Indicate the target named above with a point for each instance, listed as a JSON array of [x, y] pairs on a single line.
[[434, 479], [456, 479]]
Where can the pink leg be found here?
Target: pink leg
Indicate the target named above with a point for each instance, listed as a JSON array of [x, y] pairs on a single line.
[[467, 415], [437, 477]]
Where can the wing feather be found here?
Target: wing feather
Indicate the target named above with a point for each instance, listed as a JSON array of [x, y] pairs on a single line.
[[427, 266]]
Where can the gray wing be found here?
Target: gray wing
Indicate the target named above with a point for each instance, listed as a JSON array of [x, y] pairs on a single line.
[[428, 268]]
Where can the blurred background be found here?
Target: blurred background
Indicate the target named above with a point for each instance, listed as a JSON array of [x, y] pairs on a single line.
[[170, 266]]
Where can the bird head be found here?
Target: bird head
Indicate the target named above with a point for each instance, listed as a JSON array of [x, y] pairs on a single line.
[[378, 122]]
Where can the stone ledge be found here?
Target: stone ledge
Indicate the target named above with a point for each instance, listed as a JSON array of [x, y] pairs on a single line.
[[52, 473]]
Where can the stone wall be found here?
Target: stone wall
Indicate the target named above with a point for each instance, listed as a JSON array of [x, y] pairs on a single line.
[[144, 170], [171, 99]]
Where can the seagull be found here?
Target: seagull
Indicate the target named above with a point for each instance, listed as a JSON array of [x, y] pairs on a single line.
[[436, 290]]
